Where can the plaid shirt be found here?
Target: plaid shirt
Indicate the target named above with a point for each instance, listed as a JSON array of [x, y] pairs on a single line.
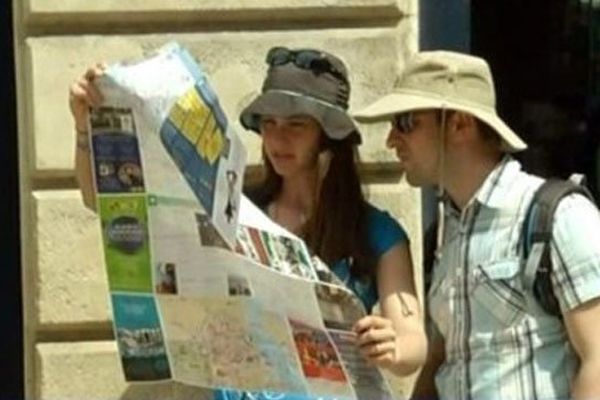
[[499, 344]]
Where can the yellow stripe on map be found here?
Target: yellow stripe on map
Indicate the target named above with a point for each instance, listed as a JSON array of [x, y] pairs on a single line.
[[194, 120]]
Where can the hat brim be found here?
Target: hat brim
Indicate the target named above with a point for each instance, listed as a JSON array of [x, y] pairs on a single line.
[[399, 102], [336, 122]]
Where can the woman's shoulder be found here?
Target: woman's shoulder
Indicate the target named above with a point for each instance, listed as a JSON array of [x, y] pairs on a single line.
[[384, 230], [377, 217]]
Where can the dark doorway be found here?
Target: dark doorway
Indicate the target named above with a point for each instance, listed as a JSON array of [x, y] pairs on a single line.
[[544, 57], [11, 339]]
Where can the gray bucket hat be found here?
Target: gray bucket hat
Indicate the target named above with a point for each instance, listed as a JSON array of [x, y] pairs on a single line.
[[304, 82], [443, 79]]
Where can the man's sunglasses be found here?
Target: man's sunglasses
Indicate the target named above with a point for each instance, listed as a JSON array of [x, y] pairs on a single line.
[[305, 59], [404, 122]]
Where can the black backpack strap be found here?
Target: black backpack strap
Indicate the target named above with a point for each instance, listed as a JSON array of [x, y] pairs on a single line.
[[537, 236]]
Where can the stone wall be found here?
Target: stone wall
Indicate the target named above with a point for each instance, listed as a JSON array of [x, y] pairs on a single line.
[[70, 351]]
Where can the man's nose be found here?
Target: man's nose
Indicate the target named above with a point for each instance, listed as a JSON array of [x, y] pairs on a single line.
[[393, 138]]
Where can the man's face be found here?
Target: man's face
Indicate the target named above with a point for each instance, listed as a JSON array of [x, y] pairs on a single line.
[[415, 139]]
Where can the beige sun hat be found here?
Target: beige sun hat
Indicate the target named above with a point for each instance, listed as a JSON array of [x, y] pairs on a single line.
[[445, 80]]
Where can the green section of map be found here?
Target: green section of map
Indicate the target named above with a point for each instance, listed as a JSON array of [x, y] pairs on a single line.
[[126, 245]]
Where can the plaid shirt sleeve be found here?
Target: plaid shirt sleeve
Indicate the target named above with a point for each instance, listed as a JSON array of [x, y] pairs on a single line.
[[576, 252]]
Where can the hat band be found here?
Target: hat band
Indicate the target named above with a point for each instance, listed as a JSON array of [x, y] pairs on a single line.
[[300, 95]]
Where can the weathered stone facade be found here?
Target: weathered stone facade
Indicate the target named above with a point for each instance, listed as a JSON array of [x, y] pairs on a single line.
[[70, 352]]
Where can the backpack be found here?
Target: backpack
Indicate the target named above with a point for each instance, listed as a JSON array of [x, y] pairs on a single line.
[[537, 236]]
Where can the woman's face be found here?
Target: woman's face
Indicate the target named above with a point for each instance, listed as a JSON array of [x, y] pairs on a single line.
[[291, 144]]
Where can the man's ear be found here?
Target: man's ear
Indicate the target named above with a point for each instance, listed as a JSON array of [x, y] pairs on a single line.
[[461, 127]]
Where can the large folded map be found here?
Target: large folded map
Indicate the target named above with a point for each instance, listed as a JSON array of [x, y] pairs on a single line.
[[205, 289]]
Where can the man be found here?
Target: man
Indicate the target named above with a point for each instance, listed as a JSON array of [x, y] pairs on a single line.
[[490, 339]]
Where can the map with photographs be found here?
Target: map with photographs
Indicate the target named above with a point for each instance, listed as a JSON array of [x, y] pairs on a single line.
[[205, 289]]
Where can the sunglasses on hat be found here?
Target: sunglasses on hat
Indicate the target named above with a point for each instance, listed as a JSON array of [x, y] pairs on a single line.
[[311, 60]]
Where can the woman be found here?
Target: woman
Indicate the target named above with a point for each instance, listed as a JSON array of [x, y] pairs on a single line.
[[311, 187]]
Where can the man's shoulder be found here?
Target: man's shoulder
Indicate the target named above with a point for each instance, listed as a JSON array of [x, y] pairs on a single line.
[[513, 187], [519, 179]]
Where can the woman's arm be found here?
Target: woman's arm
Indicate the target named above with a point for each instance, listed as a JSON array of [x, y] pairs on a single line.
[[83, 168], [397, 339]]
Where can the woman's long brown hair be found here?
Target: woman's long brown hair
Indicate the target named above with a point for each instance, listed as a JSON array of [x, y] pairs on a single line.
[[337, 228]]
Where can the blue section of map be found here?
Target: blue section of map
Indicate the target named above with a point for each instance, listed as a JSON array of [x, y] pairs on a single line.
[[198, 172]]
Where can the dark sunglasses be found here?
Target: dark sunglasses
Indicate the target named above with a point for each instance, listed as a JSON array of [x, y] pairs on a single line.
[[306, 59], [404, 122]]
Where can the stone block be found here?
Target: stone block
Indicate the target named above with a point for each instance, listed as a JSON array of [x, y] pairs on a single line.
[[91, 370], [158, 12], [401, 200], [71, 282], [107, 6], [233, 61]]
